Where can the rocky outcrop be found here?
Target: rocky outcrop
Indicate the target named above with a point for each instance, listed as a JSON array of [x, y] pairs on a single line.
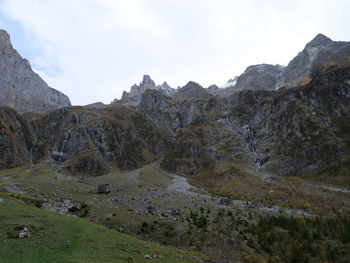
[[192, 90], [87, 140], [260, 77], [134, 97], [21, 88], [97, 105], [166, 89], [88, 163], [213, 89], [320, 50], [289, 131]]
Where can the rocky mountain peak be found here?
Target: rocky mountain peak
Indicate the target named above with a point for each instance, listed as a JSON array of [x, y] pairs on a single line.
[[192, 84], [320, 40], [166, 89], [20, 87], [5, 41], [165, 84], [192, 90], [260, 77], [134, 96], [147, 81], [320, 50]]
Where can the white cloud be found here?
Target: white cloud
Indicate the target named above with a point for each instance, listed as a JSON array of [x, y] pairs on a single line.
[[94, 49]]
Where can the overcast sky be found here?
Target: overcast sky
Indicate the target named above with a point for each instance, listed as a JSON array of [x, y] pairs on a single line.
[[92, 50]]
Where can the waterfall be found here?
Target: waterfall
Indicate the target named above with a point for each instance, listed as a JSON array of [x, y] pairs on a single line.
[[76, 117], [252, 148], [63, 144], [250, 139], [258, 166], [31, 149], [227, 120]]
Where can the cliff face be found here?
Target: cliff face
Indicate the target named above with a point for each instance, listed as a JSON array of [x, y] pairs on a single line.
[[87, 140], [16, 137], [320, 50], [21, 88], [260, 77], [290, 131], [192, 90]]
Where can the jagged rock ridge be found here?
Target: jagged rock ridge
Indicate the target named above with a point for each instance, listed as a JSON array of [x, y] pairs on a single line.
[[134, 96], [192, 90], [320, 50], [21, 88]]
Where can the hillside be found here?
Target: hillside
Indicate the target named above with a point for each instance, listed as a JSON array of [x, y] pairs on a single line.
[[58, 238]]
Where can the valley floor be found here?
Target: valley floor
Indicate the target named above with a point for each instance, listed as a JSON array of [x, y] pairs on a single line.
[[229, 213]]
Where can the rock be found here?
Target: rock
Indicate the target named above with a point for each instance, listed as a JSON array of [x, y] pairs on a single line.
[[88, 163], [173, 212], [23, 233], [65, 207], [225, 201], [213, 89], [136, 91], [192, 90], [103, 189], [166, 89], [260, 77], [97, 105], [84, 140], [20, 87], [318, 51]]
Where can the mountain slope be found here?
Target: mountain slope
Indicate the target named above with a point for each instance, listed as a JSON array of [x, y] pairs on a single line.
[[20, 87], [58, 238], [133, 97], [319, 50], [192, 90], [292, 131]]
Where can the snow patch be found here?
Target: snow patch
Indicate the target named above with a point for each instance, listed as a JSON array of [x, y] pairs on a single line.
[[229, 84]]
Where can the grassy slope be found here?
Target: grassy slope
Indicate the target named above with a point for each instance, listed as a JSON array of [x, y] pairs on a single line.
[[57, 238]]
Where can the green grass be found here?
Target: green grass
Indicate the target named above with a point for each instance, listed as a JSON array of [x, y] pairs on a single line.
[[57, 238]]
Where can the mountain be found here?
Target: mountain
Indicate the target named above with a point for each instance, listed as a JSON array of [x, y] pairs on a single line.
[[288, 130], [255, 173], [192, 90], [320, 50], [134, 96], [21, 88], [260, 77]]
